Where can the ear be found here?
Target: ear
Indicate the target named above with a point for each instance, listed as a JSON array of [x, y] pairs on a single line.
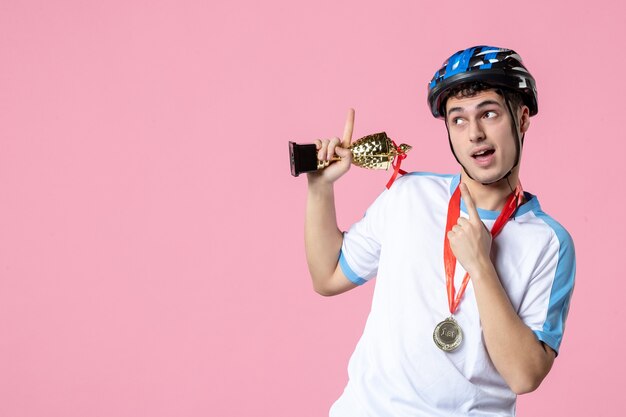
[[524, 119]]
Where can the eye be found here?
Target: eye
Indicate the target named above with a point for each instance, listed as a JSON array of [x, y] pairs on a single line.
[[490, 114], [457, 121]]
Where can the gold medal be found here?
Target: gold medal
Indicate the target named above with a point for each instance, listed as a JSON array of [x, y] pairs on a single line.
[[448, 335]]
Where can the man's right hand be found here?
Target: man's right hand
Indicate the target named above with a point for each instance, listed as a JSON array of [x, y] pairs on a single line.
[[323, 239], [328, 148]]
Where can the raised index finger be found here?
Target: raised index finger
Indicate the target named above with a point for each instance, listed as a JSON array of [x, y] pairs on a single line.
[[469, 203], [347, 130]]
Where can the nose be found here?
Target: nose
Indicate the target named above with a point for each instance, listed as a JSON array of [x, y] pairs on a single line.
[[476, 132]]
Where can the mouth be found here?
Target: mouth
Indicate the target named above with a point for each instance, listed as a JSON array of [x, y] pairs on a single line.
[[483, 155], [483, 152]]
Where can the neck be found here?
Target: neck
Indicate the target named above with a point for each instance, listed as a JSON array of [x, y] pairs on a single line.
[[493, 196]]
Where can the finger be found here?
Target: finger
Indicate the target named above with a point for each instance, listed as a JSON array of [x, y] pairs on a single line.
[[469, 203], [318, 144], [321, 153], [347, 129], [330, 153]]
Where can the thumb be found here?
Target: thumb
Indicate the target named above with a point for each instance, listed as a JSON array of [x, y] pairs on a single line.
[[343, 152]]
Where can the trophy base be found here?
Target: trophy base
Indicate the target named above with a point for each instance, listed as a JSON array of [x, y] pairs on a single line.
[[303, 158]]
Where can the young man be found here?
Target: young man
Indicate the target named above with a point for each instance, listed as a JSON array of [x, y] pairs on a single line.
[[436, 342]]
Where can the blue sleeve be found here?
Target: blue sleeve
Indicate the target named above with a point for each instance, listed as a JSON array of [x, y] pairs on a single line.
[[562, 288]]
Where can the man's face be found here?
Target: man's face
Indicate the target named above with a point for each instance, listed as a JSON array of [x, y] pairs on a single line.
[[482, 135]]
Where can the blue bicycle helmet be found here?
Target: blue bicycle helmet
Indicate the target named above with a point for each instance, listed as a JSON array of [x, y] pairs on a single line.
[[493, 66]]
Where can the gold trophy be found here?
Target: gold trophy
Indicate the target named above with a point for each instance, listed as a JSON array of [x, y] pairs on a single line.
[[375, 151]]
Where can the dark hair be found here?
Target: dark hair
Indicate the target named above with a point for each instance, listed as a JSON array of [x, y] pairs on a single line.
[[470, 89]]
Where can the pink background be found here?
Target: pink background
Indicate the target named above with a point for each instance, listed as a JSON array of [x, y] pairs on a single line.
[[151, 248]]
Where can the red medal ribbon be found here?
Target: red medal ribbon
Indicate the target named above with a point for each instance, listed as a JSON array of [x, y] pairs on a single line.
[[401, 155], [449, 260]]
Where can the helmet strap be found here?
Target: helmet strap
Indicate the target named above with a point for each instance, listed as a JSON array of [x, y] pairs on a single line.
[[519, 141]]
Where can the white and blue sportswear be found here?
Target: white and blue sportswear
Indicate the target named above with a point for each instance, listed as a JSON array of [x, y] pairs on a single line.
[[396, 368]]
